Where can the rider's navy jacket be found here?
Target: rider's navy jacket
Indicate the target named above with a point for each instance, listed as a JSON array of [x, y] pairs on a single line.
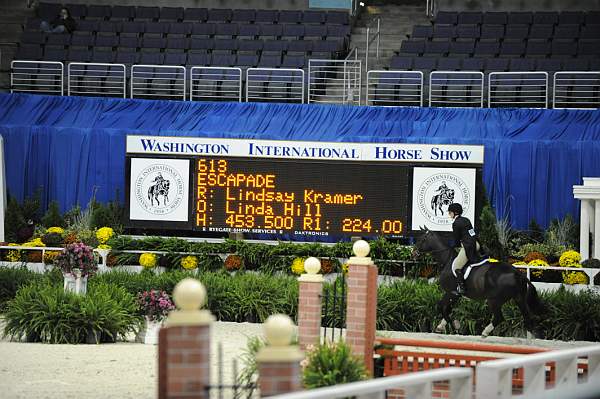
[[465, 234]]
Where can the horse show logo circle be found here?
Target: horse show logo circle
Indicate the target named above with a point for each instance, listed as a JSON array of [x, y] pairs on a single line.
[[437, 192], [159, 189]]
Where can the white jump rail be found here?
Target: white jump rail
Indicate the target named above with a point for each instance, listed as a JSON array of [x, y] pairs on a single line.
[[444, 85], [591, 273], [576, 89], [415, 386], [96, 79], [494, 377], [528, 89], [395, 88], [334, 81], [166, 81], [45, 77], [275, 84], [215, 83]]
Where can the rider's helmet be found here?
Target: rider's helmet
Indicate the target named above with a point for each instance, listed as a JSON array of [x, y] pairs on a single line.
[[455, 208]]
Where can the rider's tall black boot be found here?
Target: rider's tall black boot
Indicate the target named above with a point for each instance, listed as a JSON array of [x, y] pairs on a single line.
[[460, 289]]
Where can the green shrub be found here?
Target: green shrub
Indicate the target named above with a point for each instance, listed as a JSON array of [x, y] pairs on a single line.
[[13, 279], [330, 364], [52, 217], [488, 233], [42, 312]]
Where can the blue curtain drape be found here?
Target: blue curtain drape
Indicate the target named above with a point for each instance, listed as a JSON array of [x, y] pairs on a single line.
[[71, 146]]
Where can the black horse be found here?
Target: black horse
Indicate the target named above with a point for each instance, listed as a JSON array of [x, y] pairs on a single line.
[[497, 283]]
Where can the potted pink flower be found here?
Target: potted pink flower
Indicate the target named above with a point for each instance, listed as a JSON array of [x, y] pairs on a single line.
[[77, 263], [155, 305]]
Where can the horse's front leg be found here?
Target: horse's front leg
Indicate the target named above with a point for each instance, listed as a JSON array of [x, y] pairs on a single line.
[[445, 305], [497, 318]]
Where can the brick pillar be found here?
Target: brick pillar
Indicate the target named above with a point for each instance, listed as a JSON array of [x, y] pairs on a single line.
[[309, 304], [361, 303], [184, 345], [279, 362]]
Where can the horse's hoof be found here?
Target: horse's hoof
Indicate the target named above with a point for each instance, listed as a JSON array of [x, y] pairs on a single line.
[[456, 324]]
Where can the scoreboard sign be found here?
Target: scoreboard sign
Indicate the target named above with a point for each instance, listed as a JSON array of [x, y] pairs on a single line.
[[295, 188]]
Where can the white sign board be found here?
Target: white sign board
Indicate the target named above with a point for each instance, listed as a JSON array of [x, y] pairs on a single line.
[[436, 188], [159, 189], [250, 148], [2, 189]]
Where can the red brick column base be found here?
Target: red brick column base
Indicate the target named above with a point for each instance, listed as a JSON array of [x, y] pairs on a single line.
[[278, 378], [184, 362], [362, 309], [309, 312]]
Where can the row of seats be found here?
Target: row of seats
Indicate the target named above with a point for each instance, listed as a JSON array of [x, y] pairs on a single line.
[[493, 64], [531, 48], [509, 18], [210, 30], [129, 13], [508, 32], [243, 61]]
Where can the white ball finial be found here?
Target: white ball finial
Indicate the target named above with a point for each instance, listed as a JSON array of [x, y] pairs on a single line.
[[189, 294], [361, 248], [312, 265], [279, 330]]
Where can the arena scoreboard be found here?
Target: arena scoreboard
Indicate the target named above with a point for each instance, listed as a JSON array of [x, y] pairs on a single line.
[[297, 189]]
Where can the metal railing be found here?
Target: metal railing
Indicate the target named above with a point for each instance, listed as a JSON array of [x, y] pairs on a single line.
[[334, 81], [574, 89], [96, 79], [518, 89], [369, 40], [275, 84], [44, 77], [494, 377], [395, 88], [216, 84], [589, 272], [456, 89], [415, 386], [158, 81]]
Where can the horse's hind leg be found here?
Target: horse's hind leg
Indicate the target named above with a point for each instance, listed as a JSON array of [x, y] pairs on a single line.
[[497, 318], [527, 320], [445, 305]]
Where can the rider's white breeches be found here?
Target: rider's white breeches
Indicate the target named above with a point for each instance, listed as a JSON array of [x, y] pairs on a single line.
[[461, 259]]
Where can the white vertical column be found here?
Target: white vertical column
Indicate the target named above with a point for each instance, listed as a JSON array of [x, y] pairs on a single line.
[[596, 253], [584, 229], [2, 189]]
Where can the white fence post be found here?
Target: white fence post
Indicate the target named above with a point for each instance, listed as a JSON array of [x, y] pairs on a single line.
[[2, 188]]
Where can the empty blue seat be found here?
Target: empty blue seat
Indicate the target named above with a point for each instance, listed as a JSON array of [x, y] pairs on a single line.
[[492, 32], [571, 17], [412, 47], [538, 48], [293, 31], [446, 17], [250, 46], [516, 32], [107, 40], [180, 28], [338, 17], [177, 43], [245, 61], [98, 12], [271, 30], [496, 64], [520, 18], [490, 49], [124, 13], [462, 49], [147, 13], [248, 31], [126, 57], [401, 63], [325, 46], [219, 15], [88, 26], [103, 56], [171, 14], [223, 60], [314, 17], [424, 64], [175, 59], [195, 14], [199, 59], [129, 42], [437, 48], [58, 39], [315, 31], [157, 43], [48, 11], [444, 32], [31, 52], [577, 64], [204, 30], [151, 58], [274, 46], [80, 40], [108, 26], [33, 37], [473, 64], [245, 15], [467, 32], [33, 24], [299, 47], [294, 61], [541, 31], [562, 49], [132, 28], [545, 17], [226, 31], [78, 55], [225, 46], [521, 64], [290, 16], [266, 16], [449, 64], [201, 44], [566, 32], [592, 17], [156, 28], [549, 65], [512, 49], [590, 31], [55, 54], [495, 18], [269, 61], [470, 17], [338, 30], [422, 32]]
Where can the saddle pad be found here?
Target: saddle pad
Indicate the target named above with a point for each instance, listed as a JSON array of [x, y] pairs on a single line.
[[469, 267]]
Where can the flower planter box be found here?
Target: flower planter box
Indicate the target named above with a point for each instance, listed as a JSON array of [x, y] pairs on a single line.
[[149, 333], [75, 284]]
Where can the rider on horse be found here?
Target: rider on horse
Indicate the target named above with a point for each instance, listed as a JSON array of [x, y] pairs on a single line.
[[466, 236]]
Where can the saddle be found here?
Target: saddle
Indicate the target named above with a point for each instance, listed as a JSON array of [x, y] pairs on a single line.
[[470, 267]]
